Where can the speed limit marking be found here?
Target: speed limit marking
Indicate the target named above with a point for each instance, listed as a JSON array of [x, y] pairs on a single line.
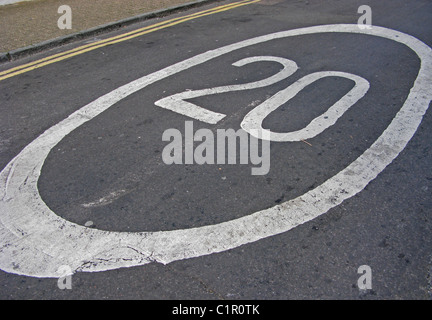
[[34, 241], [252, 123]]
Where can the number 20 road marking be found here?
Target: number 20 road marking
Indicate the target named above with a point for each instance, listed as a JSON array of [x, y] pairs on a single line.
[[252, 123]]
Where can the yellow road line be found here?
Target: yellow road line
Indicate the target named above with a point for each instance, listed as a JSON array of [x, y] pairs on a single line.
[[116, 39]]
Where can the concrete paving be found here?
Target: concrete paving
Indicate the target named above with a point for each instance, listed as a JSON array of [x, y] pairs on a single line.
[[27, 23]]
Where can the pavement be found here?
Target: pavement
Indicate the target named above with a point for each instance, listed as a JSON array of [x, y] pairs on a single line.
[[29, 23], [106, 178]]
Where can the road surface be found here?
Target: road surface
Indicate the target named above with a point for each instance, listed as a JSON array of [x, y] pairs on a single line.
[[85, 184]]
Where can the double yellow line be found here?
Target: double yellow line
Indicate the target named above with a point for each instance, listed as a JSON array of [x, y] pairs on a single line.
[[123, 37]]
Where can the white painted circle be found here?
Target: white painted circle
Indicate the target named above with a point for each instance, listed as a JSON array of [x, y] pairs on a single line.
[[36, 242]]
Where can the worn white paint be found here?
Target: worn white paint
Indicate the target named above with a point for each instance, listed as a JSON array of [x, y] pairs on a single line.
[[104, 201], [34, 241]]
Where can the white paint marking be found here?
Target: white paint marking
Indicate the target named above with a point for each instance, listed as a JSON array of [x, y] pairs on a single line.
[[34, 241], [89, 224], [104, 201], [254, 119], [178, 104]]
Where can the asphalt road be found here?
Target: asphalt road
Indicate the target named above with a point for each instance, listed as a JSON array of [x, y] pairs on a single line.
[[110, 171]]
